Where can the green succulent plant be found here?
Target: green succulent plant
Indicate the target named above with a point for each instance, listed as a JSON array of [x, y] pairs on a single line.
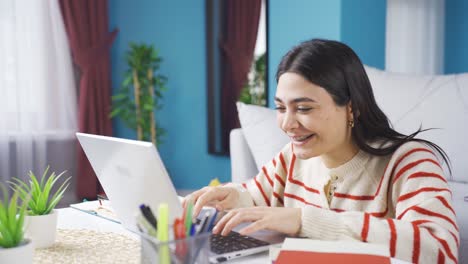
[[41, 201], [11, 219]]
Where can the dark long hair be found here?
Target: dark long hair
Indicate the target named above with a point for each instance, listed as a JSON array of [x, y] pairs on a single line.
[[335, 67]]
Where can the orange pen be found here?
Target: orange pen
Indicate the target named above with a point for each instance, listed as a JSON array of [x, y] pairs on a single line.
[[179, 228], [179, 233]]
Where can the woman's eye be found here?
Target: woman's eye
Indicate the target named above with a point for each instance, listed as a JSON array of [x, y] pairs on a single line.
[[280, 108], [304, 109]]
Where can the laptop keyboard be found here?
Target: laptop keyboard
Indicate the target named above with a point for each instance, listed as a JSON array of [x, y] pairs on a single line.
[[234, 242]]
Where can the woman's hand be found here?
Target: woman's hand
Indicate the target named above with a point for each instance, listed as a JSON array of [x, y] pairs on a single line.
[[221, 197], [281, 219]]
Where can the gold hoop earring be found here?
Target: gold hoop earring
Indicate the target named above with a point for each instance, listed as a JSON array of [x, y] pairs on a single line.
[[351, 123]]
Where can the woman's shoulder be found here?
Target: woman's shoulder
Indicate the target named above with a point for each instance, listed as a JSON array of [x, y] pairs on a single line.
[[415, 153], [413, 146], [408, 152]]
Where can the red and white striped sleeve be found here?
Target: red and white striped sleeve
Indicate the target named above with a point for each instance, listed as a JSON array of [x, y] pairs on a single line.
[[267, 187], [423, 230], [421, 196]]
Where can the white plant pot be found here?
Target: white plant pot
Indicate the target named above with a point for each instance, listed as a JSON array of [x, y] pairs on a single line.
[[22, 254], [42, 229]]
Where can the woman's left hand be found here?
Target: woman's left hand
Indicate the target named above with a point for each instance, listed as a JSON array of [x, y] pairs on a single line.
[[281, 219]]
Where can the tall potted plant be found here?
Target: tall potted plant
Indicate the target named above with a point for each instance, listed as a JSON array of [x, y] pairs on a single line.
[[14, 248], [41, 218], [141, 93]]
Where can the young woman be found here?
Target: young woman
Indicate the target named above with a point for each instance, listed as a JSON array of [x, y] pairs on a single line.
[[346, 173]]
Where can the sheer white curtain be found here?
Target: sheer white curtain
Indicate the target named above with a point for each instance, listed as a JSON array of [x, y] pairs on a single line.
[[38, 109], [415, 36]]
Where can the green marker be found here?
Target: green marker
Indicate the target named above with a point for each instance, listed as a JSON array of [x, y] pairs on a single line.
[[163, 222], [163, 233], [188, 218]]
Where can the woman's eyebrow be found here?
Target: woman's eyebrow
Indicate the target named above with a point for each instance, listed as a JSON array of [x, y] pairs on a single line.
[[278, 100], [303, 99], [297, 100]]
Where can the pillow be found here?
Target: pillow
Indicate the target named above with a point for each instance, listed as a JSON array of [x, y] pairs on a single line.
[[433, 101], [264, 138]]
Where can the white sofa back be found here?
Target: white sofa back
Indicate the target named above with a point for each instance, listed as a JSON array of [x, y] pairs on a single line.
[[433, 101], [438, 101]]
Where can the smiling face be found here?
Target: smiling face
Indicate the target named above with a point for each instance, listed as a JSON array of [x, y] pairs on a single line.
[[316, 125]]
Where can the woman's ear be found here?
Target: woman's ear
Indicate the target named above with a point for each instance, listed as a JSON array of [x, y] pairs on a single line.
[[350, 112]]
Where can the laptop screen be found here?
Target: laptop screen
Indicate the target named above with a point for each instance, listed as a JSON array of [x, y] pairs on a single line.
[[131, 173]]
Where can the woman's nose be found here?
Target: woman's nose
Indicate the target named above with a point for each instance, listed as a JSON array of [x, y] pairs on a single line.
[[289, 121]]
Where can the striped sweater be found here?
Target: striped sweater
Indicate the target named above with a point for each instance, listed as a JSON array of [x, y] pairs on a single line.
[[401, 200]]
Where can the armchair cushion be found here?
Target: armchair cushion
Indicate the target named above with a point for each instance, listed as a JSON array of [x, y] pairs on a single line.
[[261, 132]]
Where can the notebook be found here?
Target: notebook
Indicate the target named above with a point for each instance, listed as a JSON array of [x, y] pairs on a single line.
[[99, 208], [132, 173]]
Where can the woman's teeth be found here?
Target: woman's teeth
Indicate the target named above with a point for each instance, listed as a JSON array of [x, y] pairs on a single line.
[[303, 138]]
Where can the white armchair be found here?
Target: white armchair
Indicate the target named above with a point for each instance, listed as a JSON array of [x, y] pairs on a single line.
[[434, 101], [242, 162]]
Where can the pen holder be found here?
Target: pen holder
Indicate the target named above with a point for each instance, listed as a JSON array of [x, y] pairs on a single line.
[[192, 250]]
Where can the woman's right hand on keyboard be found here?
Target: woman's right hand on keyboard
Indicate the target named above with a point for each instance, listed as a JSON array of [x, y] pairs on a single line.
[[220, 197]]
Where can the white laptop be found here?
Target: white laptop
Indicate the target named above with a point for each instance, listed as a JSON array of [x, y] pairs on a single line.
[[132, 173]]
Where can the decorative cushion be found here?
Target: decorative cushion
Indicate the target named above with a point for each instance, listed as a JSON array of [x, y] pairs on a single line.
[[433, 101], [264, 138]]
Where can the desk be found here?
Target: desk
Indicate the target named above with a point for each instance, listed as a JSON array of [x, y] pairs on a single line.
[[69, 218]]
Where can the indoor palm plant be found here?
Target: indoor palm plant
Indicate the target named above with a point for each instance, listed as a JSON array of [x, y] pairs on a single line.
[[141, 93], [14, 248], [41, 218]]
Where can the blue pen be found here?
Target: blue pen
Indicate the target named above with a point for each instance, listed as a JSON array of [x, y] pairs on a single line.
[[192, 230]]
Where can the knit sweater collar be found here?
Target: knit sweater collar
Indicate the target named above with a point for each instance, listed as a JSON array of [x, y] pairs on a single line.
[[354, 165]]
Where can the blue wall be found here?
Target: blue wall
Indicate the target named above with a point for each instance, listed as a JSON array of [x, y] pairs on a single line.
[[363, 29], [456, 36], [291, 22], [359, 23], [177, 29]]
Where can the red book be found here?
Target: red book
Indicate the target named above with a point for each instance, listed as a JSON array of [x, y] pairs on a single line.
[[302, 250], [306, 257]]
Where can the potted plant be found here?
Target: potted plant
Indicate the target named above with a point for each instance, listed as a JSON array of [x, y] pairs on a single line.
[[253, 91], [41, 218], [141, 93], [14, 248]]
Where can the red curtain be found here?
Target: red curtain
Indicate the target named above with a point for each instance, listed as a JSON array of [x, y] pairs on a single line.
[[86, 23], [238, 45]]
